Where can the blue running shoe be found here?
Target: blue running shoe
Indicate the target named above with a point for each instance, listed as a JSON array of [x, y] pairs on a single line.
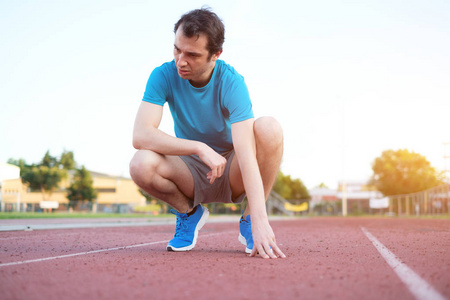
[[245, 235], [187, 229]]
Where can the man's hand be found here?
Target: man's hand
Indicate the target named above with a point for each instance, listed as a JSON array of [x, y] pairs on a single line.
[[264, 240], [213, 160]]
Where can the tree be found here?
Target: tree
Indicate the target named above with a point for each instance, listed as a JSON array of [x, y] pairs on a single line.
[[49, 161], [46, 175], [67, 160], [290, 188], [322, 185], [403, 172], [81, 188], [44, 179]]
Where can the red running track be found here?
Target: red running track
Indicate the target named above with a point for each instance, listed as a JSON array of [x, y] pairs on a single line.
[[328, 258]]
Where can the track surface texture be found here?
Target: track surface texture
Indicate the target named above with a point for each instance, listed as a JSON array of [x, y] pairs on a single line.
[[327, 258]]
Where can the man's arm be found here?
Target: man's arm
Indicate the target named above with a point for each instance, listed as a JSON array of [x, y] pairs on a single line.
[[147, 136], [245, 149]]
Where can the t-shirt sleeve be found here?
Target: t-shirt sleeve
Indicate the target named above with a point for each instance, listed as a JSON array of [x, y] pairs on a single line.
[[238, 103], [157, 88]]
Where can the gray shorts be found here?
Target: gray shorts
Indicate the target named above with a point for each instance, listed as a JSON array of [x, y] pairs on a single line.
[[204, 192]]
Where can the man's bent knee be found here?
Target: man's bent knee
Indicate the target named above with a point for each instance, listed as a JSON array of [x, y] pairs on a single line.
[[268, 131], [143, 166]]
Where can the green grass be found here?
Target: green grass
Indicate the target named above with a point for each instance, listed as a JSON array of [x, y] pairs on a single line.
[[75, 215], [378, 216], [439, 217], [89, 215]]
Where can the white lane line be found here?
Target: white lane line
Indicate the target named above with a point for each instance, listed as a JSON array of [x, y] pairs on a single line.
[[92, 252], [416, 285], [78, 254]]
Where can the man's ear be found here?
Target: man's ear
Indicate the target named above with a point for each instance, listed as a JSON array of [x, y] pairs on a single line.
[[216, 56]]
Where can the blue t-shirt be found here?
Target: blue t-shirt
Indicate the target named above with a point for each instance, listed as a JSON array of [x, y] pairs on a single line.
[[202, 114]]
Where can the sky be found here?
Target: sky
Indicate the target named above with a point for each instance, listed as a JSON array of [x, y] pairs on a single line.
[[347, 80]]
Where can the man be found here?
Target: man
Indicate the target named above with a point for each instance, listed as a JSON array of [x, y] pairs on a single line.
[[220, 152]]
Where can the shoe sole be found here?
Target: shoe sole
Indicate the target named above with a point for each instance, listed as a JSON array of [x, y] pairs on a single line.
[[199, 226], [243, 241]]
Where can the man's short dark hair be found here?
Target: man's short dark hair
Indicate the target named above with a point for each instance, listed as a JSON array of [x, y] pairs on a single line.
[[203, 21]]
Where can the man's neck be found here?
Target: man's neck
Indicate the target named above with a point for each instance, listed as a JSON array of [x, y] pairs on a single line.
[[205, 80]]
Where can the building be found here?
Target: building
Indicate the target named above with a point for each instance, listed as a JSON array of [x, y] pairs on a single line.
[[10, 185], [115, 193], [321, 195], [358, 195], [324, 201]]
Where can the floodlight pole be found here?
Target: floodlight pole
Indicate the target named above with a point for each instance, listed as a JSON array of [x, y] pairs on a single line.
[[344, 183], [446, 157], [344, 198]]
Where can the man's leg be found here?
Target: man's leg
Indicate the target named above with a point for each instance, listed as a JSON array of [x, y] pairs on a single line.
[[164, 177], [269, 151], [168, 178]]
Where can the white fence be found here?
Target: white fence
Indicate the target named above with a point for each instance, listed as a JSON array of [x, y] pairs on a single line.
[[434, 201]]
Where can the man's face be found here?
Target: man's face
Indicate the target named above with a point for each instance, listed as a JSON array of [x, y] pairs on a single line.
[[192, 58]]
